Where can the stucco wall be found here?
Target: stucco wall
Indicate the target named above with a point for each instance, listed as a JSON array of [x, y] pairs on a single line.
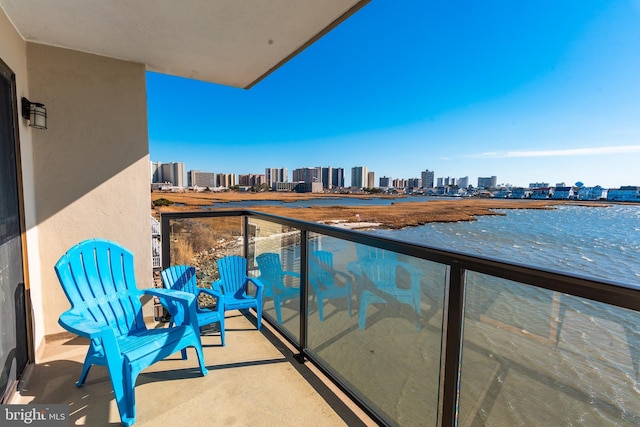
[[91, 166]]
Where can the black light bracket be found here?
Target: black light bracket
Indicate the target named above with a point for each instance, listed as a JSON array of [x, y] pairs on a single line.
[[35, 112]]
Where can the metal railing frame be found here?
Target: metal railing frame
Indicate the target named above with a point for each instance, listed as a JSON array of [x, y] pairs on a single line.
[[458, 263]]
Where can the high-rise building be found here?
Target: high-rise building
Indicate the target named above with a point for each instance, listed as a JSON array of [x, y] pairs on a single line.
[[427, 178], [327, 178], [414, 183], [201, 179], [385, 182], [463, 182], [273, 175], [332, 177], [307, 175], [337, 177], [371, 179], [226, 180], [251, 180], [359, 176], [172, 172], [487, 182], [399, 183]]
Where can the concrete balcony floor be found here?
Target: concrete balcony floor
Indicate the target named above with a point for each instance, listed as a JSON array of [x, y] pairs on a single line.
[[253, 380]]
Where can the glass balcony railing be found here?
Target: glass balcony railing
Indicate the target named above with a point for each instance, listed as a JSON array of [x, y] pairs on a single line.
[[421, 336]]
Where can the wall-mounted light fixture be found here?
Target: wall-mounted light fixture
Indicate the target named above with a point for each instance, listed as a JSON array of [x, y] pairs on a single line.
[[35, 113]]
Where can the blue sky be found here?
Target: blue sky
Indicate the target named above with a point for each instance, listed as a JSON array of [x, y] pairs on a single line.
[[533, 91]]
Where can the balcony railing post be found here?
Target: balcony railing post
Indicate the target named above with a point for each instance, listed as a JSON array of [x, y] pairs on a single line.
[[304, 300], [453, 346], [245, 247], [165, 241]]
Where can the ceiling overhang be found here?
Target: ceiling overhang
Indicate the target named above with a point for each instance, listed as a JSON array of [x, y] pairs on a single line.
[[230, 42]]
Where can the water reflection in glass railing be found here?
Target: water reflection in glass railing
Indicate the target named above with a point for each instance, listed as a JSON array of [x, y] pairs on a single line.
[[388, 347], [537, 357]]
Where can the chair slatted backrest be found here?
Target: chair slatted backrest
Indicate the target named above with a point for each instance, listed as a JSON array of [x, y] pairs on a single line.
[[233, 275], [181, 278], [271, 269], [382, 272], [98, 278], [370, 252], [321, 268]]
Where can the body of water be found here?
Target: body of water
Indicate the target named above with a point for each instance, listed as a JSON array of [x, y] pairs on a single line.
[[576, 361], [324, 201], [602, 242]]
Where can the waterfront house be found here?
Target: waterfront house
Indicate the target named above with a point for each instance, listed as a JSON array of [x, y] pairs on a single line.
[[628, 193], [563, 193], [592, 193], [520, 193], [542, 193]]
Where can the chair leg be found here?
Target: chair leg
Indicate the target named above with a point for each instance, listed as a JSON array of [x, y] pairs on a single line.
[[123, 390], [259, 315], [276, 304], [203, 369], [362, 316], [85, 371], [320, 308], [222, 330]]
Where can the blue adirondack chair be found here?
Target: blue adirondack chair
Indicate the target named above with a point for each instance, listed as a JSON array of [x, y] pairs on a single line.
[[234, 285], [183, 278], [323, 280], [378, 282], [273, 276], [98, 278]]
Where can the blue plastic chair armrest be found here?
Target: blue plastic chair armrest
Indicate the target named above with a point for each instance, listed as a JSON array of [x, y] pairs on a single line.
[[354, 268], [410, 269], [171, 295], [82, 326], [218, 295], [216, 286], [291, 273], [180, 304], [342, 274]]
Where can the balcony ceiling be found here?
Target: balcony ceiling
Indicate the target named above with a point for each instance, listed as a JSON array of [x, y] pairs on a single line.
[[231, 42]]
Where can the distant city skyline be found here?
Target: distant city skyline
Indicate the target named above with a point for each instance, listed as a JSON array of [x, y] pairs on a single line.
[[543, 91], [432, 178]]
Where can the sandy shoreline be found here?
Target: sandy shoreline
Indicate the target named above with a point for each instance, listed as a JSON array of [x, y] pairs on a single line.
[[396, 215]]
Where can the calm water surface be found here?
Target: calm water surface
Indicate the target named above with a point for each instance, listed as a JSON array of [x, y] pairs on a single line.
[[323, 201]]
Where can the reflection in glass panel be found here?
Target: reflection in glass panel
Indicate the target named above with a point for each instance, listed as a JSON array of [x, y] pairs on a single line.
[[537, 357], [388, 346], [274, 258]]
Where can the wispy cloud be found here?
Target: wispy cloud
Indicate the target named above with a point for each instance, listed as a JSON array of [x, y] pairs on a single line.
[[591, 151]]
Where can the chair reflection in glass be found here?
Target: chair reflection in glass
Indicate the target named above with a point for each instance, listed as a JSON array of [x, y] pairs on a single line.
[[377, 274], [274, 277], [327, 282]]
